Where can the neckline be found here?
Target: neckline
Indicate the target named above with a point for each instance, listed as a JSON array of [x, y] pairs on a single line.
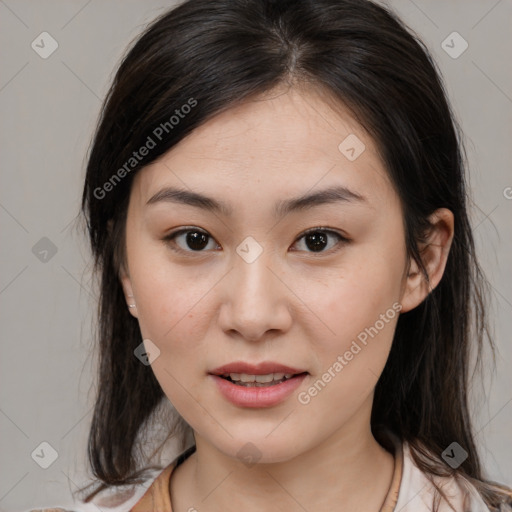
[[158, 497], [184, 456], [391, 498]]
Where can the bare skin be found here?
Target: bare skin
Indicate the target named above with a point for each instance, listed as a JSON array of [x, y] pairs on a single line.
[[292, 304]]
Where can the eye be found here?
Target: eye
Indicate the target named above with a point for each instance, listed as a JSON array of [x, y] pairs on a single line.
[[317, 239], [195, 239]]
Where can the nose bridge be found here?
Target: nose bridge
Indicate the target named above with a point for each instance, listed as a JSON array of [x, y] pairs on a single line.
[[252, 273], [255, 299]]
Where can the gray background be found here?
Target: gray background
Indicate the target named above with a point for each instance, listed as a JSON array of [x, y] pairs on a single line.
[[48, 111]]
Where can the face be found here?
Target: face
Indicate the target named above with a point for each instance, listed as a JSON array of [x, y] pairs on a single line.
[[312, 288]]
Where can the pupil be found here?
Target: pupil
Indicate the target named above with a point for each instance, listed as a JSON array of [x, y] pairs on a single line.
[[318, 241], [195, 240]]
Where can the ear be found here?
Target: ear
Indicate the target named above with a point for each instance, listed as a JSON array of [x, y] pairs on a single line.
[[124, 277], [434, 254], [128, 291]]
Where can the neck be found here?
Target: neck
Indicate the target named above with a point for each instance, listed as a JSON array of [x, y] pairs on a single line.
[[336, 474]]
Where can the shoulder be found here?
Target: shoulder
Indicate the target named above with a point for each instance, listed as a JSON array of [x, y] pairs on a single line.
[[68, 508], [50, 510], [79, 508], [151, 494], [157, 496], [418, 492], [113, 499]]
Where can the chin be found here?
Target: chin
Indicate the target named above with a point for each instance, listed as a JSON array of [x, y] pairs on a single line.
[[259, 449]]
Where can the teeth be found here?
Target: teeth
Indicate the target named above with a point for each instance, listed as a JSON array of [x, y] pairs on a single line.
[[262, 379], [265, 378]]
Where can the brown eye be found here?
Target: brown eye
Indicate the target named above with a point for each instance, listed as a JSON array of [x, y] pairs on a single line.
[[316, 239], [191, 240]]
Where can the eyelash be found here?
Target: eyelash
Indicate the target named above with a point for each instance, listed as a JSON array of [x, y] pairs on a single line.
[[169, 239]]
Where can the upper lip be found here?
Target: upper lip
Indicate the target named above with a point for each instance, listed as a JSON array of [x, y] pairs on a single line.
[[263, 368]]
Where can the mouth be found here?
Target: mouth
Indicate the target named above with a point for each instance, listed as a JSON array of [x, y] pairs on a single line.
[[267, 373], [257, 385], [259, 381]]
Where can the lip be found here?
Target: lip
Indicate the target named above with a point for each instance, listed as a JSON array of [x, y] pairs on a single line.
[[263, 368], [254, 397]]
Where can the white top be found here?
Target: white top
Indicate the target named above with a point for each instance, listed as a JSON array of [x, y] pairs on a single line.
[[415, 493]]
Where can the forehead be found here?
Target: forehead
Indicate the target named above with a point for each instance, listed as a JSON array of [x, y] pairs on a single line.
[[282, 141]]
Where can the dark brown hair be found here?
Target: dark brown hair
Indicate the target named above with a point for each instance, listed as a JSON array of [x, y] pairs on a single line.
[[221, 53]]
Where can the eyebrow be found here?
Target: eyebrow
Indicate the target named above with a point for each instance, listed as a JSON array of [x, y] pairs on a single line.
[[329, 195]]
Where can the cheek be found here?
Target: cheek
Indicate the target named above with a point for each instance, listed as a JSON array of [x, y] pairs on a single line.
[[168, 295], [359, 297], [170, 302], [363, 316]]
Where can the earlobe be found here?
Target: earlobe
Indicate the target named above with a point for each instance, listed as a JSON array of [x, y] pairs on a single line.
[[415, 287], [128, 292], [434, 254]]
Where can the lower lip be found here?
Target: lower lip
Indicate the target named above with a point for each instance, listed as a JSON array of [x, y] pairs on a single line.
[[244, 396]]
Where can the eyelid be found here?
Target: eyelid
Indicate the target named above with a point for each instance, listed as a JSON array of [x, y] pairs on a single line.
[[169, 239], [323, 229]]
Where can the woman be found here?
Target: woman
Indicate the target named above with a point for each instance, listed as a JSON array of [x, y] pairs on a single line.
[[276, 203]]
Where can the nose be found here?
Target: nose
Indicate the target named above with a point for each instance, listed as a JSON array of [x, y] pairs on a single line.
[[255, 300]]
